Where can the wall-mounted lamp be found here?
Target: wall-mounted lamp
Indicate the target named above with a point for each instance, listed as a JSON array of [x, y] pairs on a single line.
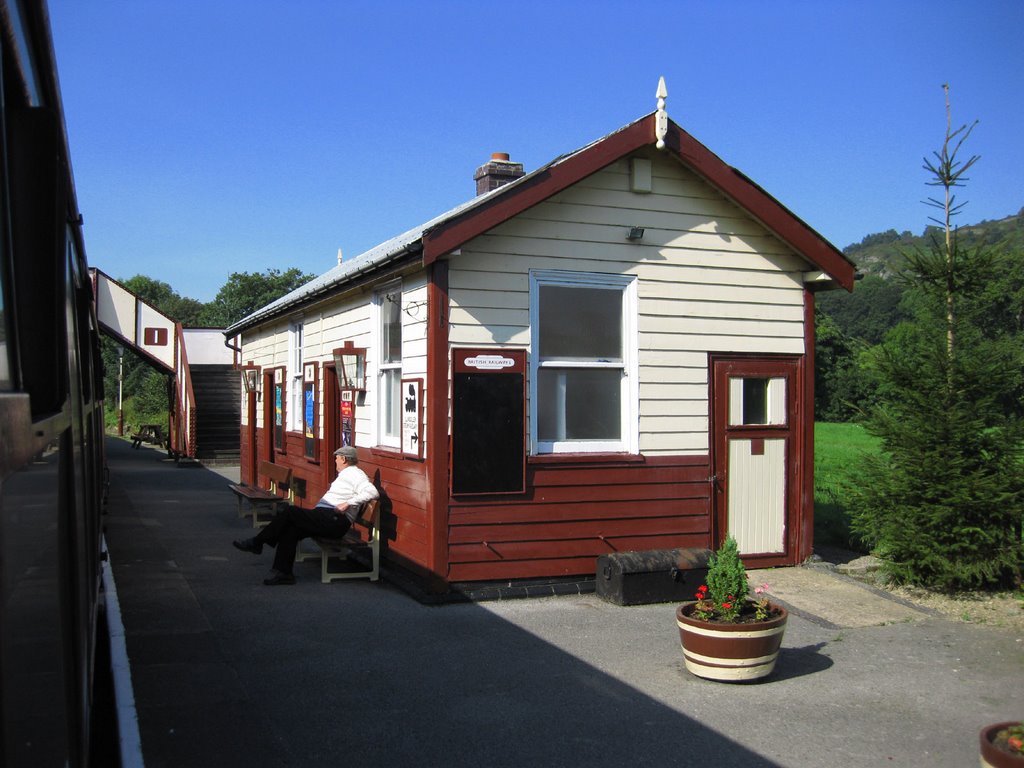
[[350, 365], [635, 233], [250, 379]]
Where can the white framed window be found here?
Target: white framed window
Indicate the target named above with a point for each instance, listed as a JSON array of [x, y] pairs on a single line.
[[388, 301], [294, 374], [583, 370]]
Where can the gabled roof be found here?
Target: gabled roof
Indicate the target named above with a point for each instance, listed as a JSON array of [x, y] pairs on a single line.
[[452, 229]]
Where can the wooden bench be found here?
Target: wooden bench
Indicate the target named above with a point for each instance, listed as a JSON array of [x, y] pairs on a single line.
[[264, 502], [353, 541]]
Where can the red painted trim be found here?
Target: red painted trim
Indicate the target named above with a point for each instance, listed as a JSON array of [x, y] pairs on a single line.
[[436, 408], [267, 452], [451, 234], [805, 545], [249, 442], [385, 451], [332, 431]]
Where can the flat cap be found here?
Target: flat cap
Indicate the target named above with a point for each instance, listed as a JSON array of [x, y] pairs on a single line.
[[347, 451]]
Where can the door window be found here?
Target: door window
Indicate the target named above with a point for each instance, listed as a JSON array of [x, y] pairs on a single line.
[[757, 401]]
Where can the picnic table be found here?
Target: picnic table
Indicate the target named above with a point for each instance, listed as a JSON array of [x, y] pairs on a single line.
[[149, 433]]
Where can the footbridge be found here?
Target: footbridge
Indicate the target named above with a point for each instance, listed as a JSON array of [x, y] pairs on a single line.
[[204, 397]]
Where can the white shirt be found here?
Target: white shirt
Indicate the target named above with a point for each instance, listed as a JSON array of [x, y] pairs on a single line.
[[351, 486]]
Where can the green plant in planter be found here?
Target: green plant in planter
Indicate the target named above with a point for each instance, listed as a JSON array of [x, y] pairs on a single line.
[[1010, 739], [724, 597], [724, 634]]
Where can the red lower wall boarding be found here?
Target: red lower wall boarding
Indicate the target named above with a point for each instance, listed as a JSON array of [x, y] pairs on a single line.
[[573, 513]]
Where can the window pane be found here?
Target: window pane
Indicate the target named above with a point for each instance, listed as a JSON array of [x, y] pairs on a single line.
[[391, 316], [580, 323], [391, 397], [755, 401], [574, 404], [5, 368]]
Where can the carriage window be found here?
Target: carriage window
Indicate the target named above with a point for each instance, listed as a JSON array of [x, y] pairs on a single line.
[[5, 365]]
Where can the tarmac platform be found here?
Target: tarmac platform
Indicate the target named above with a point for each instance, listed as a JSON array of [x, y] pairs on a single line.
[[230, 673]]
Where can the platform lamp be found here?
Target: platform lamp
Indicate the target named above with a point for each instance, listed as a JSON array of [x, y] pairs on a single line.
[[350, 365]]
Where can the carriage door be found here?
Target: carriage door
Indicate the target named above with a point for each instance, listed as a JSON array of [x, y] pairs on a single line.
[[755, 429]]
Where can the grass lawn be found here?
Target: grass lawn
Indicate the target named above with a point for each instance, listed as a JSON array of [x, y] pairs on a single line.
[[837, 452]]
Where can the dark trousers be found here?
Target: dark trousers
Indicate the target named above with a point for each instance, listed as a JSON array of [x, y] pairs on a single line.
[[293, 524]]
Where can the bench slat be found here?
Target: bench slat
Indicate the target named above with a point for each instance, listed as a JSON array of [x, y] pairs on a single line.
[[352, 540], [252, 493], [280, 479]]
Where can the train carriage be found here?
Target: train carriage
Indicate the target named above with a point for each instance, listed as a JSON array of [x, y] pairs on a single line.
[[52, 638]]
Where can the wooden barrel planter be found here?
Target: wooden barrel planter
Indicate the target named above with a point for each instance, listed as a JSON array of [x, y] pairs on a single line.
[[991, 755], [730, 652]]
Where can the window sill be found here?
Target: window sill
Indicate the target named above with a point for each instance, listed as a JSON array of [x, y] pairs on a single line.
[[586, 458]]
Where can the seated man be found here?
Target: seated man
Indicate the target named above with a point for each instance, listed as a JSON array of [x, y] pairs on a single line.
[[332, 516]]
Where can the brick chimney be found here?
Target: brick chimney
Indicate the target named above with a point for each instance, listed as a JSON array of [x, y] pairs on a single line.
[[498, 171]]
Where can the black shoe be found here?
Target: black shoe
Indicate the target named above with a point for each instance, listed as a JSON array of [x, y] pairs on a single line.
[[276, 578], [249, 545]]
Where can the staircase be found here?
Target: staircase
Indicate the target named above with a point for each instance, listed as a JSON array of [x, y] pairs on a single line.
[[217, 391]]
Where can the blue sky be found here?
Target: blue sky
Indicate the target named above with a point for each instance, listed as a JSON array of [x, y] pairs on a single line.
[[218, 136]]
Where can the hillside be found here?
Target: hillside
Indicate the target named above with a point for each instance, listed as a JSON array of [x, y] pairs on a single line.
[[880, 254], [874, 306]]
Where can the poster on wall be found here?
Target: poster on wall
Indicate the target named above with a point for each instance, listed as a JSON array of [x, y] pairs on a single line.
[[279, 417], [412, 417], [309, 409], [310, 401], [348, 418]]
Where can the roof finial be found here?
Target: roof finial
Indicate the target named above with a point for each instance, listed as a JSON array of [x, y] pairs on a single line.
[[339, 255], [661, 117]]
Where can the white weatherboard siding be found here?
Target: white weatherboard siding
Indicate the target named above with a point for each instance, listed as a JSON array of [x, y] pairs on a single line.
[[329, 325], [711, 279], [258, 348]]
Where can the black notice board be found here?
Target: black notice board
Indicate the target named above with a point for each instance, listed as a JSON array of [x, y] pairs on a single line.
[[488, 421]]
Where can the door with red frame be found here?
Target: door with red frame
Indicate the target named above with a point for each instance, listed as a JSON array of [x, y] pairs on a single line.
[[755, 454]]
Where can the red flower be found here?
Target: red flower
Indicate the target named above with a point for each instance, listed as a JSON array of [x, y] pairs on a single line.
[[727, 606]]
